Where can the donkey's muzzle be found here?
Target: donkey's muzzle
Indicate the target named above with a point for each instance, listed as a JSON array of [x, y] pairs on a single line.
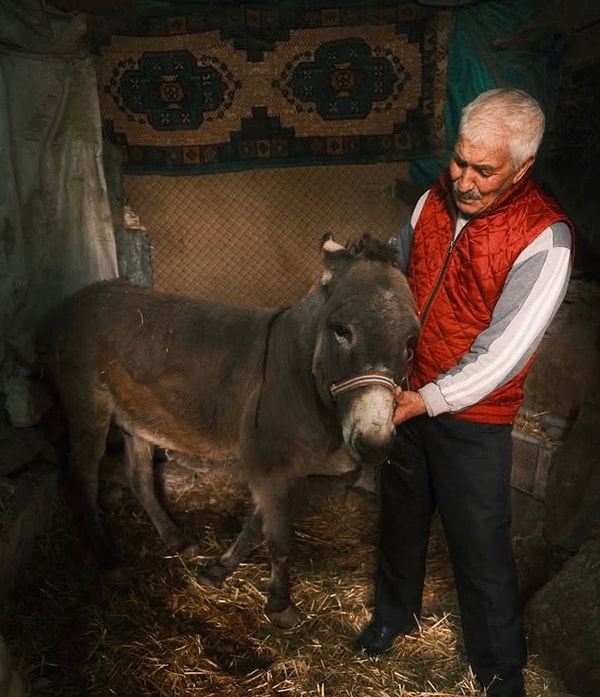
[[371, 450]]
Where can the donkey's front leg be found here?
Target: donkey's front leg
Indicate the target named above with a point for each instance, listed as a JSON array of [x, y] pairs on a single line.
[[279, 607], [278, 532]]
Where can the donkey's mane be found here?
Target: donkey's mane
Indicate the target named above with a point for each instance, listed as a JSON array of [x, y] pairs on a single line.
[[369, 248]]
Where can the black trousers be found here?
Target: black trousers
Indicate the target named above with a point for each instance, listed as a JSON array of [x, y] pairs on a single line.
[[463, 469]]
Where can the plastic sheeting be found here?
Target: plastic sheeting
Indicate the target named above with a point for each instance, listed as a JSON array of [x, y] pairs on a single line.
[[483, 56], [56, 232]]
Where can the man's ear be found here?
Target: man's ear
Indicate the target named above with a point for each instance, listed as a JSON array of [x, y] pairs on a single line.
[[523, 169]]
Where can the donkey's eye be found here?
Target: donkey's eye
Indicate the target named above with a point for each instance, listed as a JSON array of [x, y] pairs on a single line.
[[342, 332]]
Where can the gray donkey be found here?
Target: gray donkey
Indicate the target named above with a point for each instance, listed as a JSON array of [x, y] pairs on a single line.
[[288, 392]]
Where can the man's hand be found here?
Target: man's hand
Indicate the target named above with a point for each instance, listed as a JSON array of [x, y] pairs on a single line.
[[408, 404]]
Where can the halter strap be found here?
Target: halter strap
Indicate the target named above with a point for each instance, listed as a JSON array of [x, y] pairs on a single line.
[[361, 380]]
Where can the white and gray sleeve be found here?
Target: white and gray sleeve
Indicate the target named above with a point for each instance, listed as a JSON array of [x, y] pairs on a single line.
[[533, 291], [405, 236]]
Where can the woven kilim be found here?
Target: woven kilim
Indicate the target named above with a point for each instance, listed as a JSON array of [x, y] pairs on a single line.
[[246, 87]]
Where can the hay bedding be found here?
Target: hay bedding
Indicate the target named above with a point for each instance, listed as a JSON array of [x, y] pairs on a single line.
[[153, 631]]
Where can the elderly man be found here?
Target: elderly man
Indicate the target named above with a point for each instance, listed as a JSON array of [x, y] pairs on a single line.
[[488, 257]]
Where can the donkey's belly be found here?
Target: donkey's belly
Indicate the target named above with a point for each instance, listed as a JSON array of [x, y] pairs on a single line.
[[175, 436], [172, 420]]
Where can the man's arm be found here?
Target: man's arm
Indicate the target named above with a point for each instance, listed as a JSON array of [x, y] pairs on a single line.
[[403, 240], [533, 292]]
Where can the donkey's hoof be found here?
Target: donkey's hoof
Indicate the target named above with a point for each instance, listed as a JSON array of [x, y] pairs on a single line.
[[190, 551], [177, 542], [285, 619], [211, 574]]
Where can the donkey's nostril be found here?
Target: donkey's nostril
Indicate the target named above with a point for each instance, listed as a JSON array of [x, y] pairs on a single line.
[[372, 450]]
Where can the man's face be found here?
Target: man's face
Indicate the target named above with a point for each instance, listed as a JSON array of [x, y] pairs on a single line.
[[480, 175]]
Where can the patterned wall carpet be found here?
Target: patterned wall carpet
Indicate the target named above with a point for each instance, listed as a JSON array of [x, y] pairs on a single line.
[[228, 87], [280, 123]]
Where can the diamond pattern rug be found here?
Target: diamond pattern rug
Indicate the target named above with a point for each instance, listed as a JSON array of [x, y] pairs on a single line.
[[231, 88]]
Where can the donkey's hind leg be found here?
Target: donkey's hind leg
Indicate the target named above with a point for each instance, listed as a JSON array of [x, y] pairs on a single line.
[[140, 475], [89, 413], [215, 571]]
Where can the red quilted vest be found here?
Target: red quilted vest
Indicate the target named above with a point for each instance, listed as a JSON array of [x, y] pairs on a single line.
[[456, 286]]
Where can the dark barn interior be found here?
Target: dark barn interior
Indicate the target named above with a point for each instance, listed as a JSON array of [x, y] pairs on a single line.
[[226, 196]]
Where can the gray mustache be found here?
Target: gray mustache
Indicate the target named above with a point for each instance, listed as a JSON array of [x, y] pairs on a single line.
[[466, 196]]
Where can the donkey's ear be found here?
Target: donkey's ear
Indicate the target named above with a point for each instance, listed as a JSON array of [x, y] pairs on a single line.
[[334, 256], [329, 244]]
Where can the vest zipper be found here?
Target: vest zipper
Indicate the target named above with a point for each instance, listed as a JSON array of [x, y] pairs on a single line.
[[440, 278]]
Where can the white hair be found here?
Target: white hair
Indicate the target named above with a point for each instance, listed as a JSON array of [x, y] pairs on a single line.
[[506, 118]]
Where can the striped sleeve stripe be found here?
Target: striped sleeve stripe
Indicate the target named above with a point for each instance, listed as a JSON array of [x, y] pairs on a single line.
[[533, 292]]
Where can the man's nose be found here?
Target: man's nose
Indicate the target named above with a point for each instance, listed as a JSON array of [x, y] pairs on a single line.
[[465, 181]]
